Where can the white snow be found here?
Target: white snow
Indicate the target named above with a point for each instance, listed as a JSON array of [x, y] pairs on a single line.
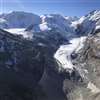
[[44, 27], [77, 22], [97, 27], [18, 31], [93, 88], [95, 16], [2, 20], [63, 54]]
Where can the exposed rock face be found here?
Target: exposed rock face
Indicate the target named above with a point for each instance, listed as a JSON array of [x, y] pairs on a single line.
[[88, 64]]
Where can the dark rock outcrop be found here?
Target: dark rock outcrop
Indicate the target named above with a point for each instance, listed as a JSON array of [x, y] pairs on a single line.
[[21, 67]]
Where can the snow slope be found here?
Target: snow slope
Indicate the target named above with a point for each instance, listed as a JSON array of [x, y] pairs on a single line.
[[88, 23], [63, 54], [20, 31]]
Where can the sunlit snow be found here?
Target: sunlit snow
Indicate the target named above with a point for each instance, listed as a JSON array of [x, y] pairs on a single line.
[[63, 54], [17, 31]]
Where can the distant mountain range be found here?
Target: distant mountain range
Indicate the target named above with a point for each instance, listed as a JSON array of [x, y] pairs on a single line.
[[64, 25]]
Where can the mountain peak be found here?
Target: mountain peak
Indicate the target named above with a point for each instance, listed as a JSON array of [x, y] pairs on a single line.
[[19, 19], [63, 24]]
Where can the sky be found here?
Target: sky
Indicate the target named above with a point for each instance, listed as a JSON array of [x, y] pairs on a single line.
[[40, 7]]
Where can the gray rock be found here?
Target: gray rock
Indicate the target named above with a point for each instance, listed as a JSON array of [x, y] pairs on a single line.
[[88, 63]]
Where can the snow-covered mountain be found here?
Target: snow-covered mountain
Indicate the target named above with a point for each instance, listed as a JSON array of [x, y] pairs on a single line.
[[18, 20], [88, 23], [53, 21], [63, 24], [34, 23]]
